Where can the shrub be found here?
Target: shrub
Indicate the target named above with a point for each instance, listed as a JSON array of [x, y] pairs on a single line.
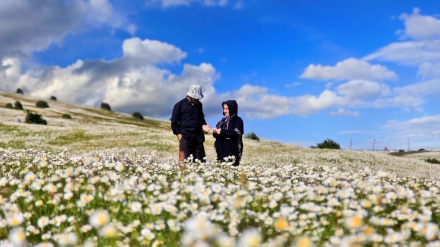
[[41, 104], [106, 106], [18, 105], [433, 161], [329, 144], [138, 115], [34, 118], [252, 136], [9, 105], [19, 91], [53, 98], [66, 116]]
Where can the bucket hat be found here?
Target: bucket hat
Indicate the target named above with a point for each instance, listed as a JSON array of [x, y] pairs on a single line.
[[195, 91]]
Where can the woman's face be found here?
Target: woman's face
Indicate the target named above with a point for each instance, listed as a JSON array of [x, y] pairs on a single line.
[[226, 110]]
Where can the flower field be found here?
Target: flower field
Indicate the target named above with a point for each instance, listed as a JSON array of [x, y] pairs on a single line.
[[134, 199], [101, 181]]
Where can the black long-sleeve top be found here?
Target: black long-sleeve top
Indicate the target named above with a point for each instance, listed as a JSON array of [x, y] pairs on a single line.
[[188, 119]]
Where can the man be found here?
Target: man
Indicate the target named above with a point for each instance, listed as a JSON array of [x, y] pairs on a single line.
[[188, 123]]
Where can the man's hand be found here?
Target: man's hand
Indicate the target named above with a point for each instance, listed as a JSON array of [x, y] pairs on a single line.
[[217, 131], [179, 136], [206, 128]]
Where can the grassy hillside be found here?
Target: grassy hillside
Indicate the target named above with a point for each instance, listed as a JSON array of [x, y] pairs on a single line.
[[107, 179], [97, 130]]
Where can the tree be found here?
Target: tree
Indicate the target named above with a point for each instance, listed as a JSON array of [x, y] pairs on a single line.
[[252, 136], [19, 91], [53, 98], [18, 105], [106, 106], [329, 144], [34, 118], [137, 115], [41, 104]]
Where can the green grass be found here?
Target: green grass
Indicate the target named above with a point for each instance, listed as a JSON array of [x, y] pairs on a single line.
[[15, 144], [75, 136]]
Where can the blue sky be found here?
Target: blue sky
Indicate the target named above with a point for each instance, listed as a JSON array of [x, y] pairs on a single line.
[[364, 74]]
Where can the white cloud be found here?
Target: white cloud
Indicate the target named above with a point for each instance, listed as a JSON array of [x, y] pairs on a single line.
[[101, 11], [174, 3], [421, 89], [10, 71], [349, 69], [307, 104], [29, 26], [425, 48], [293, 84], [429, 70], [362, 90], [422, 130], [421, 27], [408, 53], [342, 112], [131, 29], [144, 87], [256, 102], [151, 52]]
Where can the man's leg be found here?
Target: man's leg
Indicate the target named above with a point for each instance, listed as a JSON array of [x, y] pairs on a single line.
[[200, 152], [183, 150], [190, 149]]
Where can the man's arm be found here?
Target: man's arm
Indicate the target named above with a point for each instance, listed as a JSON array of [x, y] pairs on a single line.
[[205, 126], [175, 120]]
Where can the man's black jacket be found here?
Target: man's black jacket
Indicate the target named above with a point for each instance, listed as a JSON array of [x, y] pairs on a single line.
[[188, 120]]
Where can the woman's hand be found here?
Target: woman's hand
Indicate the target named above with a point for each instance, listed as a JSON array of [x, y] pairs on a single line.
[[217, 131]]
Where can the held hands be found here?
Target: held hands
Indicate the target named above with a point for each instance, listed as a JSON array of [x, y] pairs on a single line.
[[206, 128], [216, 131]]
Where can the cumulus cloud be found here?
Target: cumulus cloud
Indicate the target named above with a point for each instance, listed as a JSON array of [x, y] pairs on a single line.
[[421, 89], [256, 102], [429, 70], [425, 30], [29, 26], [420, 27], [137, 81], [349, 69], [408, 53], [145, 87], [362, 90], [151, 52]]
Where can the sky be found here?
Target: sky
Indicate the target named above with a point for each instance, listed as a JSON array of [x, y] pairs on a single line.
[[365, 74]]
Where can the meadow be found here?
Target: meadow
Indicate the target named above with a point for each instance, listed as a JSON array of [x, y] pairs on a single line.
[[105, 178]]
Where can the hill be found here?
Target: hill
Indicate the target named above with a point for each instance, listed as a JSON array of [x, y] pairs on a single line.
[[94, 130]]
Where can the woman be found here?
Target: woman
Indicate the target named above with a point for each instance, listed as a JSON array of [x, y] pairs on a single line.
[[229, 133]]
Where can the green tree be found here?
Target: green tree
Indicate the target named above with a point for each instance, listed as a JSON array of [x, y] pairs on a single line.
[[329, 144], [18, 105], [137, 115], [41, 104], [34, 118], [252, 136], [106, 106]]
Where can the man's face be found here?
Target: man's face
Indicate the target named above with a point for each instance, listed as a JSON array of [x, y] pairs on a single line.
[[193, 101]]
